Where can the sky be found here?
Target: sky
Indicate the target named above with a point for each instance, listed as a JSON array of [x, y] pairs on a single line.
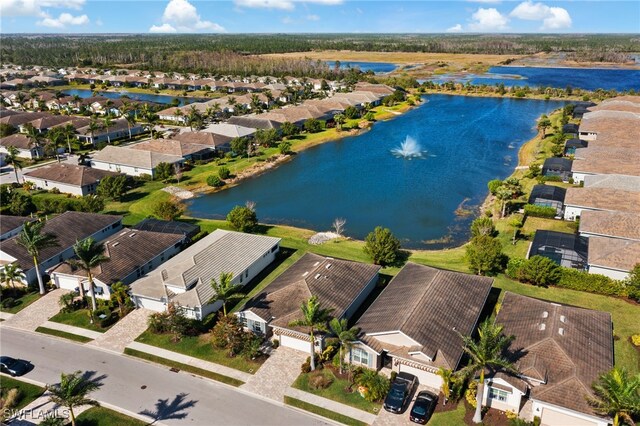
[[318, 16]]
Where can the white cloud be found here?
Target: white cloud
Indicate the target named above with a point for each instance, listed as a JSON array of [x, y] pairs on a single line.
[[485, 1], [552, 18], [313, 18], [34, 7], [282, 4], [99, 22], [455, 29], [487, 20], [287, 20], [64, 20], [182, 16]]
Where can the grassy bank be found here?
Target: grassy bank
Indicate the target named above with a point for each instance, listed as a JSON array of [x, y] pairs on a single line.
[[28, 392]]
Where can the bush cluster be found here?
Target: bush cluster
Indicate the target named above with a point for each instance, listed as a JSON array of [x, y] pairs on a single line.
[[215, 181], [318, 380], [540, 211], [229, 334], [538, 270], [172, 321], [593, 283]]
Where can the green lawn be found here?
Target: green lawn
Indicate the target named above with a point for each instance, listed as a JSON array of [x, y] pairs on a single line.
[[79, 318], [100, 416], [199, 347], [449, 418], [63, 334], [336, 392], [21, 303], [28, 392], [322, 412]]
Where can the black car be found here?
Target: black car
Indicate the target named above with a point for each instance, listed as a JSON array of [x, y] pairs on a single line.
[[399, 393], [14, 367], [423, 407]]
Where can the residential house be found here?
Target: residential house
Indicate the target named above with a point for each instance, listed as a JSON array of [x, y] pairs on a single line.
[[559, 351], [571, 145], [609, 124], [613, 257], [229, 130], [570, 129], [254, 122], [416, 323], [67, 178], [132, 162], [188, 230], [568, 250], [119, 129], [11, 225], [131, 253], [185, 280], [68, 228], [605, 161], [548, 196], [340, 285], [213, 140], [555, 166], [186, 150], [599, 198], [23, 144]]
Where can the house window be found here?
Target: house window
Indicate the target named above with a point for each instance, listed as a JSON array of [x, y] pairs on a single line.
[[257, 327], [497, 394], [243, 321], [360, 356]]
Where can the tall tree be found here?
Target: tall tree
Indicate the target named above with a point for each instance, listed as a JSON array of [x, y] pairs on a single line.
[[36, 138], [487, 353], [11, 274], [314, 317], [90, 255], [345, 334], [56, 141], [72, 392], [93, 127], [12, 159], [107, 123], [225, 290], [617, 395], [69, 132], [33, 241]]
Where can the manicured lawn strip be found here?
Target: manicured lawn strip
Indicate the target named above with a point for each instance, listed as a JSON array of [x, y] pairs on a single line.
[[63, 334], [198, 347], [322, 412], [195, 370], [28, 392], [79, 318], [449, 418], [22, 302], [100, 416], [336, 392]]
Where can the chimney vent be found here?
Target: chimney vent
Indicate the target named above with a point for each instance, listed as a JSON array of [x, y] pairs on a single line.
[[542, 326]]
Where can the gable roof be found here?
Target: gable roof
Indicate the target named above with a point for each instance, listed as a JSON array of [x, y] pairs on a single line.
[[133, 157], [603, 199], [9, 223], [69, 174], [431, 306], [171, 147], [611, 224], [203, 138], [613, 181], [614, 253], [336, 283], [19, 140], [573, 348]]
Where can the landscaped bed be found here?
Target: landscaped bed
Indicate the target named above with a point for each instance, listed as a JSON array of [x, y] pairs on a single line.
[[79, 318], [18, 302]]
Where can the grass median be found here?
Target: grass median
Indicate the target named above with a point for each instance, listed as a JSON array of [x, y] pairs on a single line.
[[63, 334]]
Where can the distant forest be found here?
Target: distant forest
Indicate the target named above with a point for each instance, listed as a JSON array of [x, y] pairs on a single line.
[[221, 53]]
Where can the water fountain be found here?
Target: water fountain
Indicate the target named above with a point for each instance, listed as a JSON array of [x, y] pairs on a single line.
[[408, 149]]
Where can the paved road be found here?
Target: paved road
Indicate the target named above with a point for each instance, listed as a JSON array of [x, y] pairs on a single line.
[[183, 398]]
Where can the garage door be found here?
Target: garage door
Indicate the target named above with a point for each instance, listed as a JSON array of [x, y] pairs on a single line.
[[292, 342], [424, 378], [551, 417]]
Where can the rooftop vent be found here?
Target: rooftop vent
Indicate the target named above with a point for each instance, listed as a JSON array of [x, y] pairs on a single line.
[[132, 234], [122, 233], [545, 314], [317, 276], [305, 274], [563, 318], [542, 327], [316, 264], [328, 266], [561, 331], [115, 244]]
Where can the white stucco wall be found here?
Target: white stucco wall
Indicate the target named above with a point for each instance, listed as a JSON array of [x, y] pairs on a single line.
[[151, 304], [114, 167], [572, 212], [425, 378], [615, 274], [548, 416], [62, 187], [395, 338], [514, 397]]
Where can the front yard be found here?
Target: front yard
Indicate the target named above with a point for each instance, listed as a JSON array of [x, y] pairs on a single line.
[[79, 318], [16, 304]]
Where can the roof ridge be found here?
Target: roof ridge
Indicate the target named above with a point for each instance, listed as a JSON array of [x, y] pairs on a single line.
[[419, 299]]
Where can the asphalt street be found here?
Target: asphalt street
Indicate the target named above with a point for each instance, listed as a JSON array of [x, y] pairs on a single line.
[[170, 398]]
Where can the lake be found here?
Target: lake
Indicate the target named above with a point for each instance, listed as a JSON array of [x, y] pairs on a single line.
[[583, 78], [376, 67], [144, 97], [468, 141]]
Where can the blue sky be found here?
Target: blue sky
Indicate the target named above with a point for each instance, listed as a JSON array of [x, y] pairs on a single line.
[[311, 16]]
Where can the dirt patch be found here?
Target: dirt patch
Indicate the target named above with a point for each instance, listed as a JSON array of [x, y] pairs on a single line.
[[450, 406]]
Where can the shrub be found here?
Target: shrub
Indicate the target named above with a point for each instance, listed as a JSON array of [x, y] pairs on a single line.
[[376, 384], [275, 343], [382, 246], [8, 302], [494, 185], [168, 210], [635, 340], [540, 211], [242, 219], [224, 173], [540, 270], [284, 147], [55, 191], [306, 367], [319, 380], [633, 283], [215, 181], [470, 393], [483, 226], [514, 267], [593, 283], [109, 320], [484, 254]]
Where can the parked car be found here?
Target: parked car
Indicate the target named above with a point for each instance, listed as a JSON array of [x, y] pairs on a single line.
[[423, 407], [399, 393], [14, 367]]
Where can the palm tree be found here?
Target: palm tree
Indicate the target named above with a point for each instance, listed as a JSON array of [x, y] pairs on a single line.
[[93, 127], [33, 241], [225, 291], [617, 395], [34, 135], [447, 375], [178, 114], [339, 119], [90, 255], [21, 97], [11, 274], [73, 391], [56, 141], [12, 158], [69, 131], [107, 122], [131, 121], [486, 353], [344, 334], [120, 294], [314, 318]]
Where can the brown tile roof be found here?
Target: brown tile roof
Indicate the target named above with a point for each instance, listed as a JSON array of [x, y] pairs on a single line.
[[19, 140], [614, 253], [133, 157], [69, 174], [68, 227], [625, 183], [127, 251], [607, 160], [203, 138], [611, 224], [171, 147], [336, 283], [619, 126], [570, 360], [9, 223], [431, 306], [18, 119], [603, 199]]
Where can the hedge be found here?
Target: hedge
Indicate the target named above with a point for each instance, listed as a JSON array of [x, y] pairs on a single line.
[[540, 211], [592, 283]]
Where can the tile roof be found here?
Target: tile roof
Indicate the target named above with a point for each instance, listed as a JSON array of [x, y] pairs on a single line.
[[171, 147], [611, 224], [68, 174], [336, 283], [607, 160], [625, 183], [614, 253], [603, 199], [68, 227], [9, 223], [18, 119], [127, 251], [229, 130], [431, 306], [570, 351], [19, 140], [133, 157]]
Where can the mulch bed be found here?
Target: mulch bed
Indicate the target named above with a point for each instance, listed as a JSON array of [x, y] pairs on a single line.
[[444, 408]]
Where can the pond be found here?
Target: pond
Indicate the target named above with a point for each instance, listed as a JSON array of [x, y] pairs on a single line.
[[145, 97], [583, 78], [427, 202], [376, 67]]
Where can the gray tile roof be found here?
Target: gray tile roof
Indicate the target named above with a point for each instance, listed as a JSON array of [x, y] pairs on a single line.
[[69, 174], [431, 306], [133, 157], [9, 223]]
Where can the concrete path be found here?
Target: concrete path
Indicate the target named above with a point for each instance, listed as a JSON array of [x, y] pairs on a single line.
[[37, 313], [330, 405], [124, 332], [277, 374], [195, 362], [5, 315], [90, 334], [40, 409]]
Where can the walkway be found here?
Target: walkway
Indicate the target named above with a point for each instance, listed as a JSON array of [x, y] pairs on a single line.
[[277, 373], [195, 362], [41, 408], [37, 313], [330, 405], [124, 332], [80, 331]]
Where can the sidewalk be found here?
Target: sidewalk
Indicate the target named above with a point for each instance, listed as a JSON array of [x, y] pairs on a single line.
[[90, 334], [37, 313], [195, 362], [277, 374], [124, 332], [334, 406]]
